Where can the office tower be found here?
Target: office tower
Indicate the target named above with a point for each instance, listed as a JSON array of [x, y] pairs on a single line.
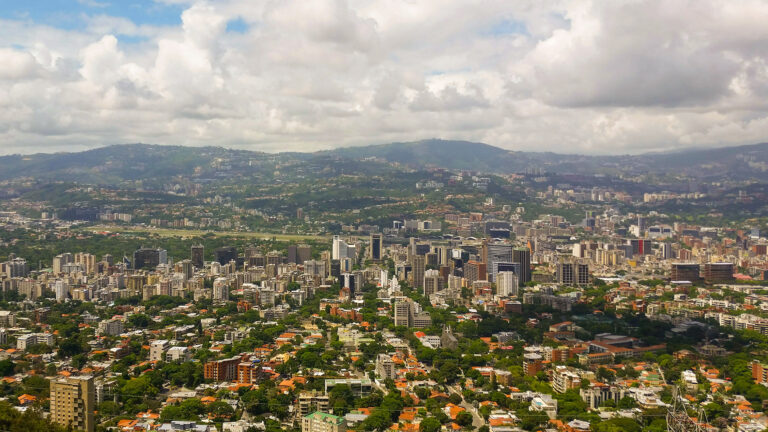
[[341, 249], [507, 284], [582, 273], [376, 246], [409, 314], [419, 266], [149, 258], [72, 402], [404, 313], [304, 253], [353, 281], [640, 246], [666, 251], [641, 223], [256, 259], [335, 268], [300, 213], [718, 272], [197, 256], [423, 248], [496, 253], [685, 272], [275, 258], [523, 256], [224, 255], [293, 254], [474, 271], [187, 269], [433, 282], [108, 259], [566, 272]]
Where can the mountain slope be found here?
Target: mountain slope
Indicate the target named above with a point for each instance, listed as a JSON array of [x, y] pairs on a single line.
[[131, 162]]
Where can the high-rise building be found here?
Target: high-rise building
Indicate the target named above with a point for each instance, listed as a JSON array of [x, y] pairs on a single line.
[[293, 254], [495, 253], [376, 246], [224, 255], [304, 253], [523, 256], [718, 272], [507, 284], [474, 271], [59, 261], [666, 251], [419, 267], [404, 312], [73, 402], [186, 268], [221, 289], [15, 267], [566, 272], [571, 271], [690, 272], [640, 246], [341, 249], [149, 258], [197, 256], [433, 282], [641, 223]]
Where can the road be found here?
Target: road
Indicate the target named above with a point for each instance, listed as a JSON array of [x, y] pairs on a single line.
[[477, 419]]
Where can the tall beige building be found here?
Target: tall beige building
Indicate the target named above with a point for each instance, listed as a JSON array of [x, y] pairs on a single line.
[[72, 402]]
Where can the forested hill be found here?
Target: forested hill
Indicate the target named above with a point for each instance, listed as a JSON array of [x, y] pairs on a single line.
[[131, 162]]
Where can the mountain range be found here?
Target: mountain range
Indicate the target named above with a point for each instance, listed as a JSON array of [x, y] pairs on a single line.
[[113, 164]]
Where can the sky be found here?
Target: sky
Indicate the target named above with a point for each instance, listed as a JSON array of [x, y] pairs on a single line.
[[593, 77]]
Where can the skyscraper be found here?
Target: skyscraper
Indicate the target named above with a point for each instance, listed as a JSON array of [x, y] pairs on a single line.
[[72, 402], [433, 282], [197, 256], [496, 253], [474, 271], [507, 284], [149, 258], [224, 255], [419, 266], [293, 254], [376, 246], [304, 253], [523, 256]]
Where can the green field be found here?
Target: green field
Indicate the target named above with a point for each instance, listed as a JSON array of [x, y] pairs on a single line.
[[171, 232]]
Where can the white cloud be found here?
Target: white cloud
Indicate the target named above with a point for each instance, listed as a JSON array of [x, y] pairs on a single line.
[[572, 76]]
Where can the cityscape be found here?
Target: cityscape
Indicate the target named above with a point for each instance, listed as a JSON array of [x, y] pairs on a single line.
[[370, 216]]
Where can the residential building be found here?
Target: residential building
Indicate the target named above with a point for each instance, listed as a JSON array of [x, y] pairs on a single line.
[[73, 402], [323, 422]]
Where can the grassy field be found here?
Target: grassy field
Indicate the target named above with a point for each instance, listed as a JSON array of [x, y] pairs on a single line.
[[170, 232]]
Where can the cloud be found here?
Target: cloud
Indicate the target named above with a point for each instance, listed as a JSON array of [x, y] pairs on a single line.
[[560, 75]]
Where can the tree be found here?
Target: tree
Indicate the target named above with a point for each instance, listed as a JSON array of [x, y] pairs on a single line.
[[430, 424], [220, 411], [464, 419], [7, 367], [620, 424]]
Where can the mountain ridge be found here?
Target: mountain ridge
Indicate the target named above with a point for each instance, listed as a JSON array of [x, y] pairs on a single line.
[[138, 161]]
